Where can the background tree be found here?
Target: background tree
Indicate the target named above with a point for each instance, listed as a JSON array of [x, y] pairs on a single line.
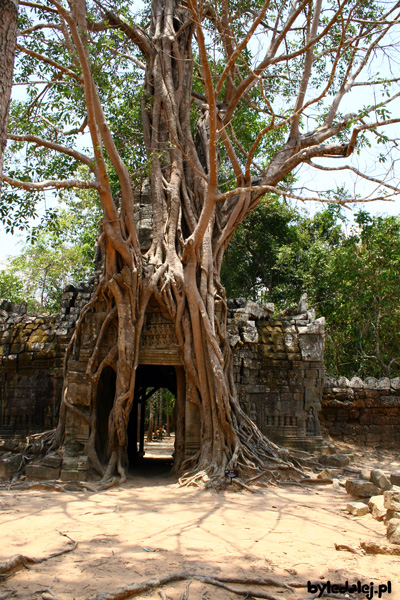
[[351, 276], [222, 127], [363, 304], [59, 251], [8, 32]]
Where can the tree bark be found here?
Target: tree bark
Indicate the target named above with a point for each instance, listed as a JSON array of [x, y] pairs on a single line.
[[181, 270], [151, 420], [8, 37]]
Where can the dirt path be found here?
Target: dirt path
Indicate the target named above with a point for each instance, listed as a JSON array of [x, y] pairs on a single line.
[[151, 527]]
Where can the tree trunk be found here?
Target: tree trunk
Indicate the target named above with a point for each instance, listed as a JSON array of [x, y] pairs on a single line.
[[168, 431], [181, 270], [151, 420], [8, 36]]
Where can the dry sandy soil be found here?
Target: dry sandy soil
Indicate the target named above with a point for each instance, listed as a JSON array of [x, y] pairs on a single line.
[[151, 526]]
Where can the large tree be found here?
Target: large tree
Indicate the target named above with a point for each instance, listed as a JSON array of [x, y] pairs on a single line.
[[8, 35], [235, 96]]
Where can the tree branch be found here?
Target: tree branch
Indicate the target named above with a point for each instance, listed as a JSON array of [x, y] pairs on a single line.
[[357, 172], [49, 61], [134, 33], [38, 6], [263, 189], [307, 69], [53, 146], [51, 183], [37, 27]]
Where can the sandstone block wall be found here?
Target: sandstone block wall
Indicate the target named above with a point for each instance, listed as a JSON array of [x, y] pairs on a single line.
[[362, 411], [279, 370], [32, 349]]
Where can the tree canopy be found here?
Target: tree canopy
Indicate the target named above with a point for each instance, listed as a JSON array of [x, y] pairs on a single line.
[[276, 74], [351, 274]]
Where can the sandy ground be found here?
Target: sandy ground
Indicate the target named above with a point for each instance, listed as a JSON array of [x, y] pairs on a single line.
[[150, 527]]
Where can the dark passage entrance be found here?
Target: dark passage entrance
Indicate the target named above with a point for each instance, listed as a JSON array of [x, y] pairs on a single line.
[[104, 404], [150, 381]]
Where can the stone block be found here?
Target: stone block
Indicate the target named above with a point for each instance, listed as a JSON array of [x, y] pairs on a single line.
[[269, 308], [9, 465], [395, 478], [358, 509], [41, 472], [393, 531], [72, 475], [52, 460], [392, 514], [361, 489], [392, 500], [336, 460], [377, 508], [250, 335], [395, 383], [379, 478], [356, 383], [251, 310], [311, 347], [233, 339], [377, 384], [79, 394], [366, 474], [326, 474]]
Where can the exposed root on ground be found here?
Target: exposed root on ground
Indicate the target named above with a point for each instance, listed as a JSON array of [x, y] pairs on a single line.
[[19, 561], [348, 549], [136, 589], [7, 594]]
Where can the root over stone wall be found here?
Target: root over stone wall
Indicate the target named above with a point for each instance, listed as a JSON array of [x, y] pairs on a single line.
[[278, 367]]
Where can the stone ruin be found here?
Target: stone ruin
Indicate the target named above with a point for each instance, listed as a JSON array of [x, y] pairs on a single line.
[[362, 411], [278, 368]]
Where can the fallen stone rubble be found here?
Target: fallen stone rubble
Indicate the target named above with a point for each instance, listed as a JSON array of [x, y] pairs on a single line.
[[378, 495]]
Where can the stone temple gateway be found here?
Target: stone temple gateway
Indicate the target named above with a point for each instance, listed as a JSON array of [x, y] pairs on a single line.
[[278, 367]]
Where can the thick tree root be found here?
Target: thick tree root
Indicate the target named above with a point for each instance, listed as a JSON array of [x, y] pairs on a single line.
[[19, 561], [7, 595], [135, 589], [348, 549]]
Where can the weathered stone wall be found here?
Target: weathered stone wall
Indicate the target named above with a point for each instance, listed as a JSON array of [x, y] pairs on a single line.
[[32, 349], [277, 363], [279, 370], [366, 412]]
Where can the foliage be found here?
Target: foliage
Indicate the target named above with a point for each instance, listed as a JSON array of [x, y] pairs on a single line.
[[363, 310], [279, 252], [352, 279], [60, 251], [11, 286]]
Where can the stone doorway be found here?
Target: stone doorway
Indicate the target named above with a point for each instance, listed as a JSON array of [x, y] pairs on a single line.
[[150, 380]]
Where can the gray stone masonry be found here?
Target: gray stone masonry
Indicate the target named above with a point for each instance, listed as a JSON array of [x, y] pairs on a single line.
[[362, 411], [32, 349], [279, 371]]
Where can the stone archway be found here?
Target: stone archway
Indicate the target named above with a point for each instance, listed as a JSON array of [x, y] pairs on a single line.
[[149, 379]]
